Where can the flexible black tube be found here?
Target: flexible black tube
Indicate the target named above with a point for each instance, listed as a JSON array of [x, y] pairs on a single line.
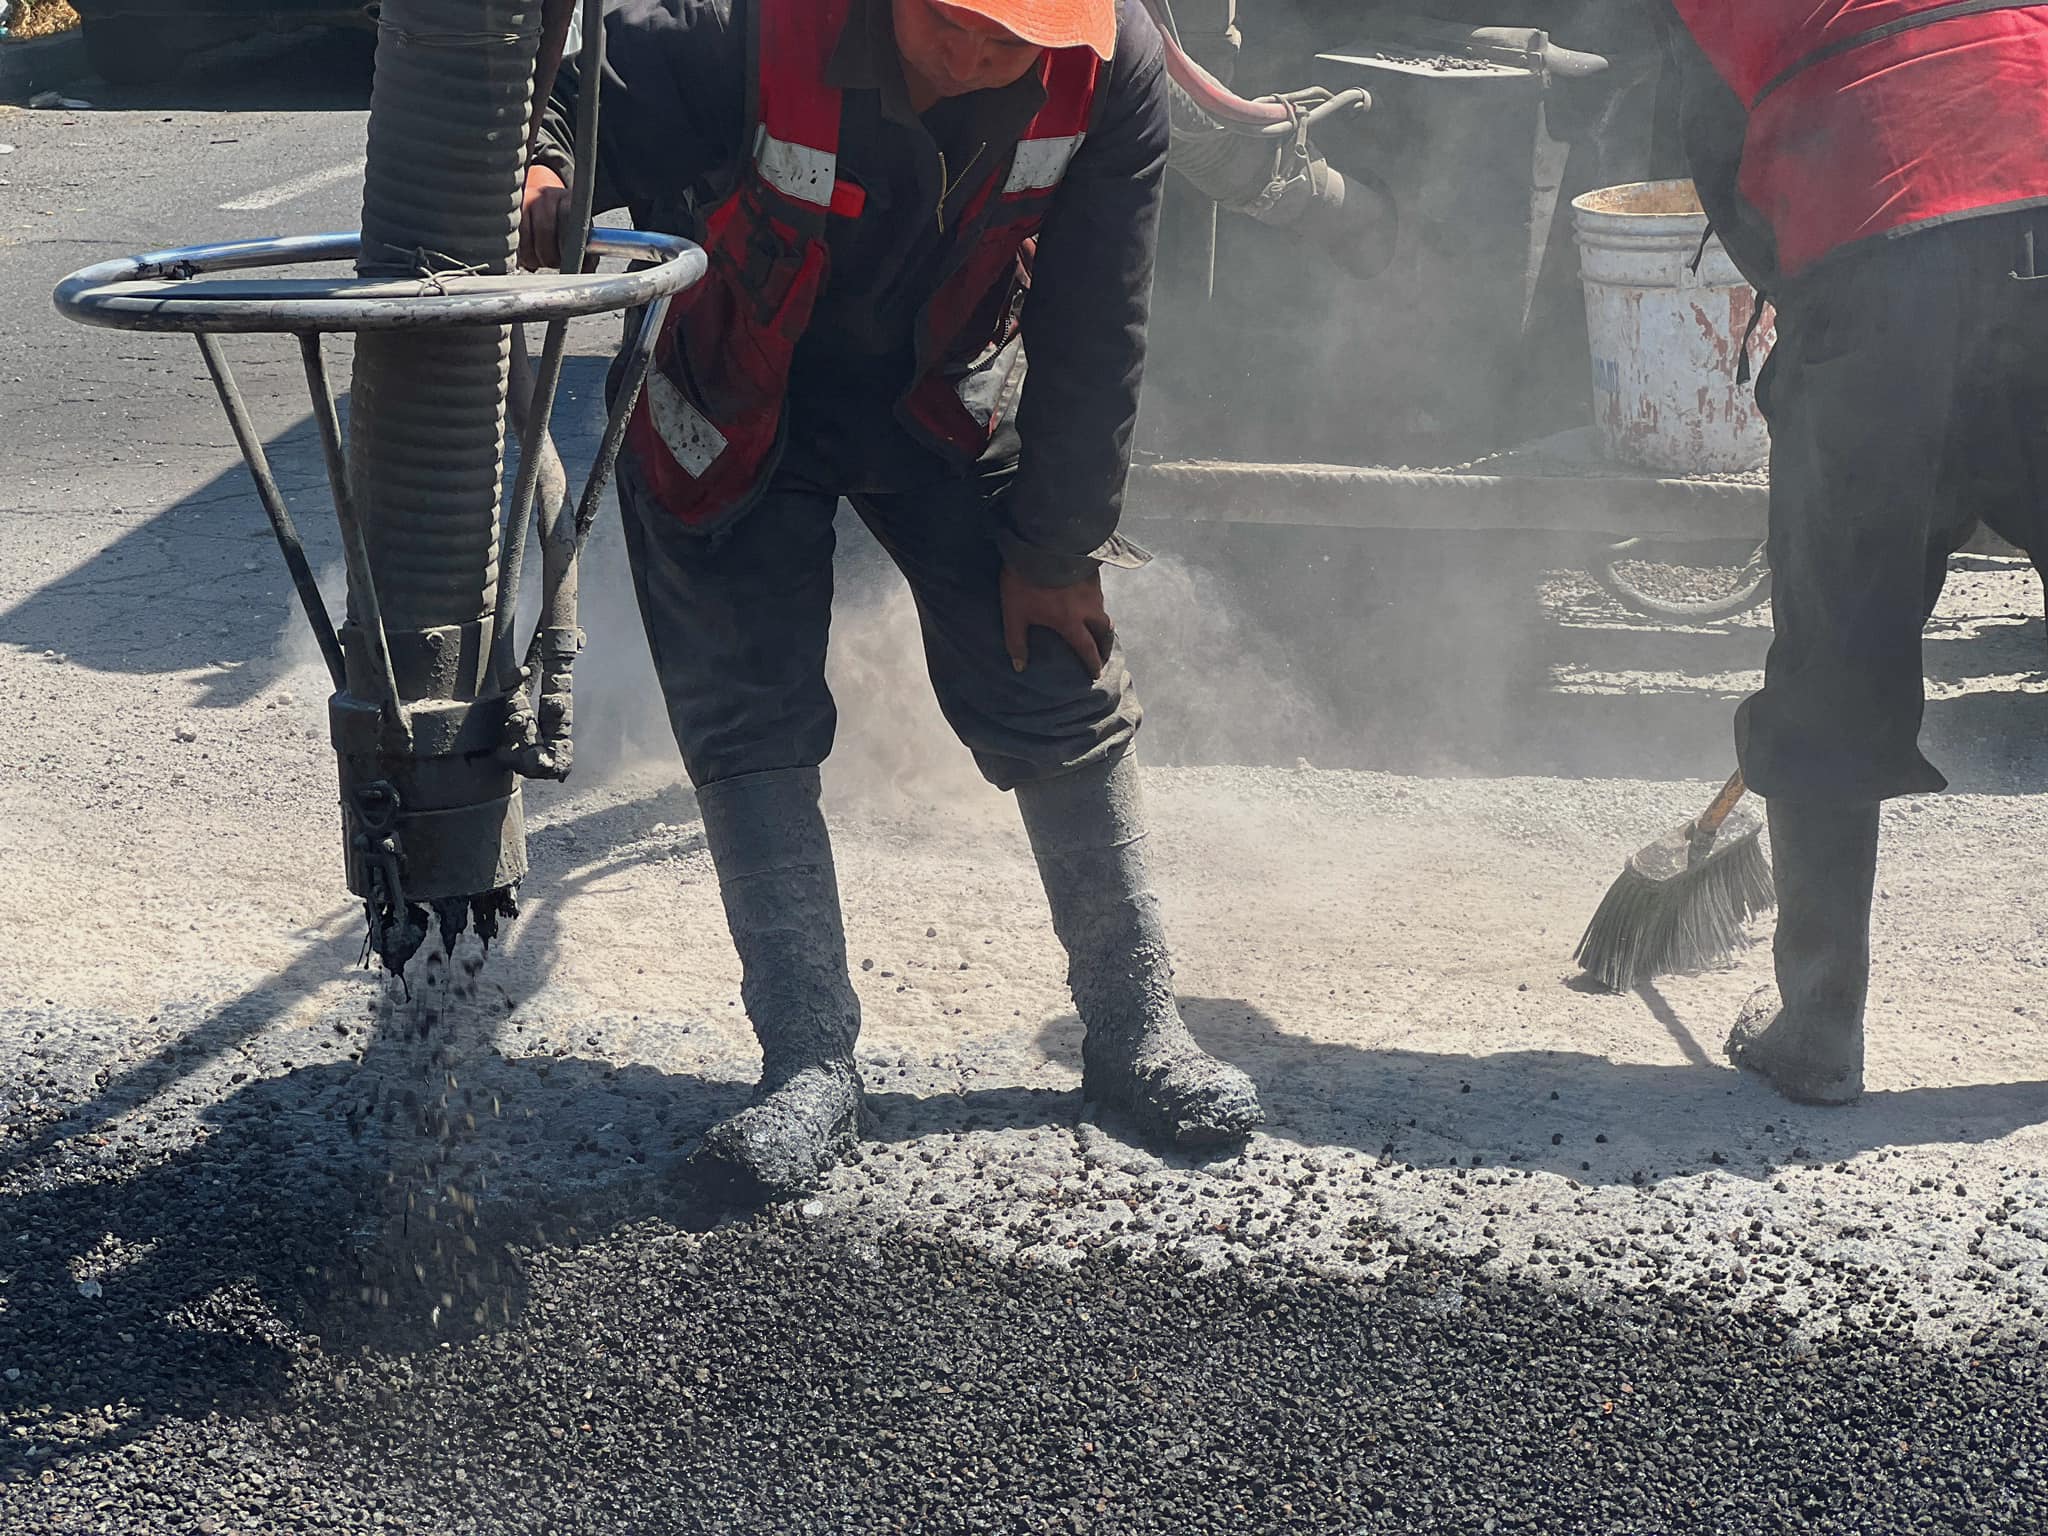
[[448, 121], [434, 822]]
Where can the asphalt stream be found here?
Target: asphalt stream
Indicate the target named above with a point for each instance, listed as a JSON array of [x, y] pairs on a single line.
[[285, 1248]]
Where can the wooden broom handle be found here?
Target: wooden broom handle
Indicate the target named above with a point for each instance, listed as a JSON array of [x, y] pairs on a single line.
[[1709, 824]]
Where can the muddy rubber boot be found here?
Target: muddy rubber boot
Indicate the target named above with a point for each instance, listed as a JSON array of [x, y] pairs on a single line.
[[768, 840], [1804, 1036], [1087, 831]]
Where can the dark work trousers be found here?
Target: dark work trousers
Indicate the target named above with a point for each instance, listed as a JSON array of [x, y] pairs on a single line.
[[1908, 399], [737, 622]]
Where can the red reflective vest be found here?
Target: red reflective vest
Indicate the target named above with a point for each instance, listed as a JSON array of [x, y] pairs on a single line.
[[707, 430], [1875, 117]]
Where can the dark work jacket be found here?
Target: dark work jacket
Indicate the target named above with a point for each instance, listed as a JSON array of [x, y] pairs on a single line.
[[670, 125]]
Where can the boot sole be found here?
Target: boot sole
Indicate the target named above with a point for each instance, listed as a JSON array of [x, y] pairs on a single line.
[[1155, 1126], [1746, 1051], [1822, 1097], [726, 1174], [732, 1181]]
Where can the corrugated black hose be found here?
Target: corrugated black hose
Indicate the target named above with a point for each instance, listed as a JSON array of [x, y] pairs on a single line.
[[437, 823]]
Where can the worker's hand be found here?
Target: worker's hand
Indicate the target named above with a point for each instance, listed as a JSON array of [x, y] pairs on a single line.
[[1074, 613], [540, 218]]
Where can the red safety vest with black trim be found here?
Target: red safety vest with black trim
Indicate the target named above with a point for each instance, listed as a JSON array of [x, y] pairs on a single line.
[[707, 429], [1875, 117]]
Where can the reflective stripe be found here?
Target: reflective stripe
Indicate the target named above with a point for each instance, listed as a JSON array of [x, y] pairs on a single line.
[[1040, 163], [685, 431], [796, 170]]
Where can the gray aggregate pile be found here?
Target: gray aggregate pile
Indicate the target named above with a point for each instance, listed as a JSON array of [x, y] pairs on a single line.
[[218, 1371]]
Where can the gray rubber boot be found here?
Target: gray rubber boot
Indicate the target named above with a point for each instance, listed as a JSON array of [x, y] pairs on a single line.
[[1087, 830], [1805, 1035], [768, 840]]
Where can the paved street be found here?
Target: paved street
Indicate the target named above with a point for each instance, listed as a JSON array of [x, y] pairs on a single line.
[[287, 1248]]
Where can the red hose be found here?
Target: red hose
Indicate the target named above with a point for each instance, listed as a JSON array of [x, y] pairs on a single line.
[[1209, 93]]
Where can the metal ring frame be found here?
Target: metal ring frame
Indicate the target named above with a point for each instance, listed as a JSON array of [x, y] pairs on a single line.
[[167, 291]]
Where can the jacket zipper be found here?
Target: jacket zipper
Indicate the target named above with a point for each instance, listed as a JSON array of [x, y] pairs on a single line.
[[947, 185]]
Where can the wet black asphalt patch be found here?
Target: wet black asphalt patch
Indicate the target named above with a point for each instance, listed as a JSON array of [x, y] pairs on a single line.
[[225, 1373]]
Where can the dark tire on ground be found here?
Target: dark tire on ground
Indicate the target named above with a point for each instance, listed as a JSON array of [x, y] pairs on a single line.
[[132, 50], [1748, 587]]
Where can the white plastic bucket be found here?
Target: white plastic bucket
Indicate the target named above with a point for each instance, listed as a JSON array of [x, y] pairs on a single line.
[[1666, 340]]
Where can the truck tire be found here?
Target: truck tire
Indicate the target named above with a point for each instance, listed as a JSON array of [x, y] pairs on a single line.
[[132, 50], [1751, 587]]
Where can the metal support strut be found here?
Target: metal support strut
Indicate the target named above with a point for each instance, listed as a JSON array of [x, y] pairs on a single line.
[[433, 717]]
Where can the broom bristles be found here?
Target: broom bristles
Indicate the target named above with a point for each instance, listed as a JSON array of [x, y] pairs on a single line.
[[1686, 921]]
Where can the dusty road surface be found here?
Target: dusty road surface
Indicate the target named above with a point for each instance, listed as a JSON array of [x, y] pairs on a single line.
[[285, 1249]]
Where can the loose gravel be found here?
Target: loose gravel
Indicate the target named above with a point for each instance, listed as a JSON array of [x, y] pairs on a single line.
[[435, 1290], [785, 1375]]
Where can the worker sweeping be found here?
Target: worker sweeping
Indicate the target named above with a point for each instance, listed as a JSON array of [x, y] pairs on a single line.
[[897, 197], [1879, 169]]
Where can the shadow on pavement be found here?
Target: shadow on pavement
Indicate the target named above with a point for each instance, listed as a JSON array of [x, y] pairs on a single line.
[[1652, 1122], [201, 588], [389, 1201], [347, 1203]]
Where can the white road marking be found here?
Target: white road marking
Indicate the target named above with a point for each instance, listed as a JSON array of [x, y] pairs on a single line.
[[298, 186]]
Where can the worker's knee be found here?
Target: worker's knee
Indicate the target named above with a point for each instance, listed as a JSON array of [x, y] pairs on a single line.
[[1048, 720]]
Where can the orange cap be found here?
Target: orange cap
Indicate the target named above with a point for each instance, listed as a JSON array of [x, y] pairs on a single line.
[[1052, 23]]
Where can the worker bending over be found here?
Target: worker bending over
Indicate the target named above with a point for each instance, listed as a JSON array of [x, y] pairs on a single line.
[[897, 196], [1878, 168]]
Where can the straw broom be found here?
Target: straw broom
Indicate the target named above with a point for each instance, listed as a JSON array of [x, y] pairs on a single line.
[[1680, 904]]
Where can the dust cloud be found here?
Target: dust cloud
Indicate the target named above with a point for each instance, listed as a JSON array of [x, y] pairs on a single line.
[[1215, 682]]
